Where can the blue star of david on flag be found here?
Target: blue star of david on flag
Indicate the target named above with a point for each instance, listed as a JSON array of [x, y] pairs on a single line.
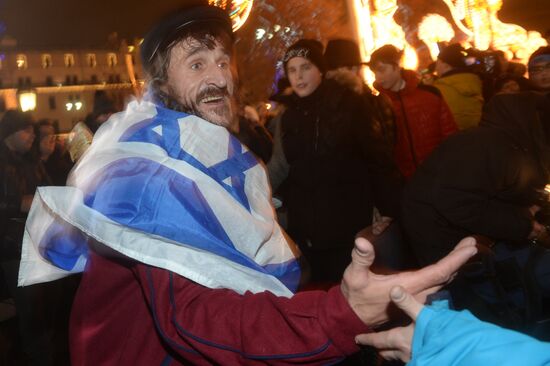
[[234, 167]]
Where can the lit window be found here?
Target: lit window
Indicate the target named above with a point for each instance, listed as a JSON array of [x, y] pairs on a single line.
[[111, 59], [46, 60], [92, 60], [69, 60], [74, 103], [1, 59], [69, 105], [27, 101], [21, 62]]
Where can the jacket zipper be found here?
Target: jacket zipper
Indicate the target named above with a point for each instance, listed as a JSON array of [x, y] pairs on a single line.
[[316, 140], [405, 120]]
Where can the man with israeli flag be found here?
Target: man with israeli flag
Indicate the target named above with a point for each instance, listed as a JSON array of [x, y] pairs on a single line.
[[170, 219]]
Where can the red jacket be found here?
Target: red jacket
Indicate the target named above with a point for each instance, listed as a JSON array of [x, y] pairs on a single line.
[[422, 120], [128, 313]]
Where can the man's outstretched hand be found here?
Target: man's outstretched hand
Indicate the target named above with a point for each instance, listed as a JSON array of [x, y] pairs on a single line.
[[369, 293]]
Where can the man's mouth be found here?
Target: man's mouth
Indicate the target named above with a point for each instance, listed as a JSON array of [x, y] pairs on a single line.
[[213, 99], [213, 96]]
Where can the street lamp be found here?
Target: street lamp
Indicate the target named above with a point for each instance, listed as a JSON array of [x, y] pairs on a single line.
[[27, 100]]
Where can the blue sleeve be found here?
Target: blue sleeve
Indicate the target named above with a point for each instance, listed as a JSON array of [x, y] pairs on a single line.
[[451, 338]]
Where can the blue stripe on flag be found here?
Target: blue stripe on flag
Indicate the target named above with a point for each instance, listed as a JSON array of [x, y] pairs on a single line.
[[288, 273], [238, 178], [63, 245], [233, 166], [143, 132]]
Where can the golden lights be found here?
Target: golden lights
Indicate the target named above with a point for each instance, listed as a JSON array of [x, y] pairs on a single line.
[[376, 28], [27, 100], [21, 61], [445, 32], [476, 20], [239, 10]]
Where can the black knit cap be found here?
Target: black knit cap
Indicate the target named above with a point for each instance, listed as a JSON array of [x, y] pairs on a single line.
[[342, 53], [310, 49], [453, 55], [14, 121], [175, 25], [103, 104]]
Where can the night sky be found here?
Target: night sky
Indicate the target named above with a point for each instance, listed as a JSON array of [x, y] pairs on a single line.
[[50, 23]]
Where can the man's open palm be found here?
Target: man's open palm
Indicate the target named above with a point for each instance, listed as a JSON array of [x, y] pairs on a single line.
[[369, 293]]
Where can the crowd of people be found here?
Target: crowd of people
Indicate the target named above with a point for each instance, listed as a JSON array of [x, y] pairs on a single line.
[[397, 175], [33, 154], [464, 154]]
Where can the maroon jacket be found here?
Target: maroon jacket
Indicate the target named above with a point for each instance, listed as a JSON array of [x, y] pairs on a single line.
[[128, 313], [422, 119]]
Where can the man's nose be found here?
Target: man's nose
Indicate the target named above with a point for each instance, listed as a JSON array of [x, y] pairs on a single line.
[[217, 76]]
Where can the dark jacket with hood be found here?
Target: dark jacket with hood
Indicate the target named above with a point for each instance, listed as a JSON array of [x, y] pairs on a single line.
[[339, 167], [18, 177], [482, 180], [380, 106]]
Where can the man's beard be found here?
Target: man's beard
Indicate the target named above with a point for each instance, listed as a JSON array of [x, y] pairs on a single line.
[[223, 115], [220, 112]]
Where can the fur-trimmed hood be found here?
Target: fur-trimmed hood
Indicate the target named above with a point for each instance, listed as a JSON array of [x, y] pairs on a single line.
[[347, 78]]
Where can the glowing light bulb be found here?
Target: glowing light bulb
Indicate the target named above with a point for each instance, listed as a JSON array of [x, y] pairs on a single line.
[[260, 33]]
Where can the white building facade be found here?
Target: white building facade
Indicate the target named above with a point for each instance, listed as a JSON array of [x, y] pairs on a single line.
[[64, 81]]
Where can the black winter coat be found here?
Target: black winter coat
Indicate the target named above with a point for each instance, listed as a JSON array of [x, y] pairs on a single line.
[[18, 177], [480, 181], [339, 167]]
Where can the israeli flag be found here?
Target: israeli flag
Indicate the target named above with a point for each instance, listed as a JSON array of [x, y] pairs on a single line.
[[169, 190]]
